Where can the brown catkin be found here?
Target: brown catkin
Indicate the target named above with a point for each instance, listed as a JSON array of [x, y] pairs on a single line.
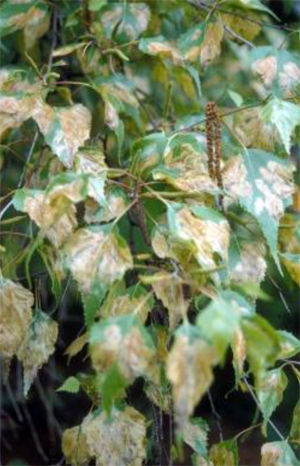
[[214, 144], [210, 138]]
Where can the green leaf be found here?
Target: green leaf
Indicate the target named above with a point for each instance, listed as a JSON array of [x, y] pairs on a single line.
[[289, 344], [262, 346], [112, 387], [195, 435], [236, 98], [224, 453], [92, 302], [295, 427], [70, 385], [125, 21], [10, 16], [285, 116], [278, 454], [96, 5], [251, 4], [270, 392], [266, 192]]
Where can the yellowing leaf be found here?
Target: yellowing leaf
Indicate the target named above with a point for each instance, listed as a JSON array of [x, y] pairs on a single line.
[[117, 440], [76, 346], [122, 340], [189, 369], [37, 347], [224, 453], [15, 316], [243, 27], [65, 129], [114, 205], [104, 255], [159, 396], [169, 290]]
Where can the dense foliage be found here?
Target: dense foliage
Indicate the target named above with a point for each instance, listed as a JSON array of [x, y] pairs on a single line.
[[149, 152]]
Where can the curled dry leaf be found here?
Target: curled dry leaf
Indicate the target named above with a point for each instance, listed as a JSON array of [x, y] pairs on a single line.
[[15, 316], [252, 266], [65, 128], [119, 440], [76, 346], [105, 255], [189, 369], [125, 341], [169, 290], [239, 353], [37, 346]]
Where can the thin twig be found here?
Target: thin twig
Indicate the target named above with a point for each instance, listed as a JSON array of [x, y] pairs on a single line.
[[237, 36], [215, 414], [259, 406]]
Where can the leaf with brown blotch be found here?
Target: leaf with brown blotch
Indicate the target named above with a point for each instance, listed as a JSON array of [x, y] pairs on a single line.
[[104, 254], [65, 129], [190, 370], [15, 316], [117, 440], [37, 346]]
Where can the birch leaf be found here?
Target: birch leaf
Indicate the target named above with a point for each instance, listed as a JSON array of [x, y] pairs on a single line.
[[18, 98], [289, 344], [170, 291], [15, 316], [91, 161], [53, 210], [224, 453], [267, 191], [70, 385], [117, 440], [195, 435], [204, 231], [65, 129], [262, 346], [278, 69], [124, 341], [270, 392], [37, 346], [31, 16], [251, 266], [189, 369], [285, 116], [185, 166], [104, 254], [295, 427], [132, 20], [278, 454], [134, 300]]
